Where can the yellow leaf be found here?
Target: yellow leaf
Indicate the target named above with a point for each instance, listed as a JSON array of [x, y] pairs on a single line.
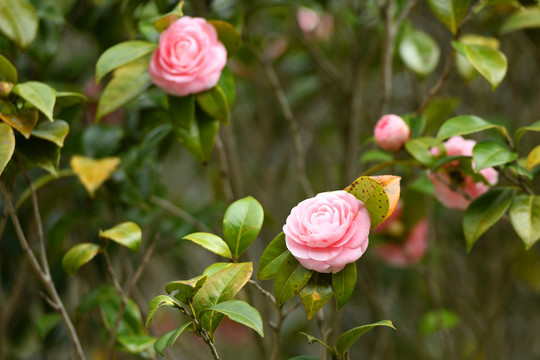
[[534, 158], [92, 172], [23, 121], [392, 188]]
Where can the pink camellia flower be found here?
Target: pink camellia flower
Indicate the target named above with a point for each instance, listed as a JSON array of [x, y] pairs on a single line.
[[189, 58], [410, 251], [451, 175], [391, 132], [328, 231], [308, 19]]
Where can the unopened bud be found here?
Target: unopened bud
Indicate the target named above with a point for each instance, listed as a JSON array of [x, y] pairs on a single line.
[[391, 132]]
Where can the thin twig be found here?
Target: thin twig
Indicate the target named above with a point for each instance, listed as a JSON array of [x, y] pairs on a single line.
[[175, 210], [262, 291], [388, 54], [438, 85], [112, 275], [453, 187]]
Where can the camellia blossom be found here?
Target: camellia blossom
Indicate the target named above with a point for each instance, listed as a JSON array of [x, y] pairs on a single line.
[[410, 251], [457, 145], [189, 58], [328, 231], [391, 132]]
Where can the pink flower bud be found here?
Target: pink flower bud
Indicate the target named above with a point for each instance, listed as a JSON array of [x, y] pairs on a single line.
[[391, 132]]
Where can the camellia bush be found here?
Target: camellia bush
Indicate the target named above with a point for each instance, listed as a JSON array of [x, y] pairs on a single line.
[[267, 179]]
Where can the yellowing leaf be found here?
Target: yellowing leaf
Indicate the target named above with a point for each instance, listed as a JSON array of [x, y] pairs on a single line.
[[92, 172], [392, 188], [533, 158], [23, 121]]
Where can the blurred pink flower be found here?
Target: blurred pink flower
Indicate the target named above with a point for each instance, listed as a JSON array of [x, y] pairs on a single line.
[[311, 22], [328, 231], [410, 251], [391, 132]]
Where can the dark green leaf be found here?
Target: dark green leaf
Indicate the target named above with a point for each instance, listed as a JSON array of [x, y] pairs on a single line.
[[372, 194], [55, 131], [186, 289], [343, 283], [522, 130], [127, 234], [347, 339], [435, 320], [484, 212], [18, 21], [241, 224], [304, 357], [199, 139], [419, 51], [523, 19], [210, 242], [464, 124], [120, 55], [241, 312], [437, 111], [7, 70], [226, 83], [291, 277], [449, 12], [214, 103], [46, 323], [170, 337], [316, 293], [525, 218], [156, 303], [41, 95], [228, 35], [312, 339], [182, 111], [69, 98], [7, 139], [37, 152], [79, 255], [490, 153], [272, 257]]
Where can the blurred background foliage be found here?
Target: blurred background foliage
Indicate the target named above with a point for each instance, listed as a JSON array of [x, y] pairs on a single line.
[[331, 72]]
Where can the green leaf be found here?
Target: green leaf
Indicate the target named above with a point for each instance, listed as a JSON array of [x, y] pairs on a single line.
[[162, 23], [420, 149], [316, 293], [221, 286], [305, 357], [241, 224], [533, 158], [312, 339], [490, 153], [485, 3], [435, 320], [210, 242], [490, 63], [135, 344], [347, 339], [484, 212], [7, 70], [524, 19], [41, 95], [127, 234], [343, 284], [182, 111], [215, 267], [226, 83], [120, 55], [186, 288], [156, 303], [41, 153], [199, 139], [227, 35], [291, 277], [46, 323], [23, 121], [170, 337], [241, 312], [449, 12], [79, 255], [375, 156], [7, 139], [18, 21], [214, 103], [272, 257], [69, 98], [522, 130], [419, 51], [372, 194], [525, 218], [54, 132], [128, 83], [462, 125]]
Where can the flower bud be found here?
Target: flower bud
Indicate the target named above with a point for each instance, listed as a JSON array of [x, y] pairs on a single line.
[[391, 132]]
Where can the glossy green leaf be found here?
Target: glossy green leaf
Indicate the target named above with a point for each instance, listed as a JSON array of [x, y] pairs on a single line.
[[240, 312], [525, 217], [372, 194], [490, 153], [343, 284], [54, 132], [316, 293], [215, 267], [527, 18], [291, 277], [41, 95], [127, 234], [79, 255], [210, 242], [226, 83], [221, 286], [489, 62], [135, 344], [69, 98], [170, 337], [533, 159], [186, 289], [375, 156], [156, 303], [312, 339], [120, 55], [7, 139], [449, 12], [484, 212], [36, 152], [214, 103], [436, 320], [199, 139], [227, 35], [420, 149], [7, 70], [182, 111], [522, 130], [18, 21], [272, 257], [462, 125], [128, 83], [419, 51], [241, 224], [347, 339]]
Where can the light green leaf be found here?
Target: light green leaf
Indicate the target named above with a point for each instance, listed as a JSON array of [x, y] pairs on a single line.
[[214, 103], [135, 344], [272, 257], [215, 267], [464, 124], [41, 95], [170, 337], [419, 51], [449, 12], [522, 130], [210, 242], [120, 55], [484, 212], [291, 277], [7, 70], [156, 303], [347, 339], [312, 339], [464, 66], [420, 149], [18, 21], [527, 18], [533, 158], [54, 132], [186, 288], [372, 194], [227, 35], [489, 62], [241, 312], [7, 139], [435, 320], [226, 83], [343, 284], [127, 234], [485, 3], [79, 255], [241, 224], [490, 153], [316, 293], [525, 218], [182, 111]]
